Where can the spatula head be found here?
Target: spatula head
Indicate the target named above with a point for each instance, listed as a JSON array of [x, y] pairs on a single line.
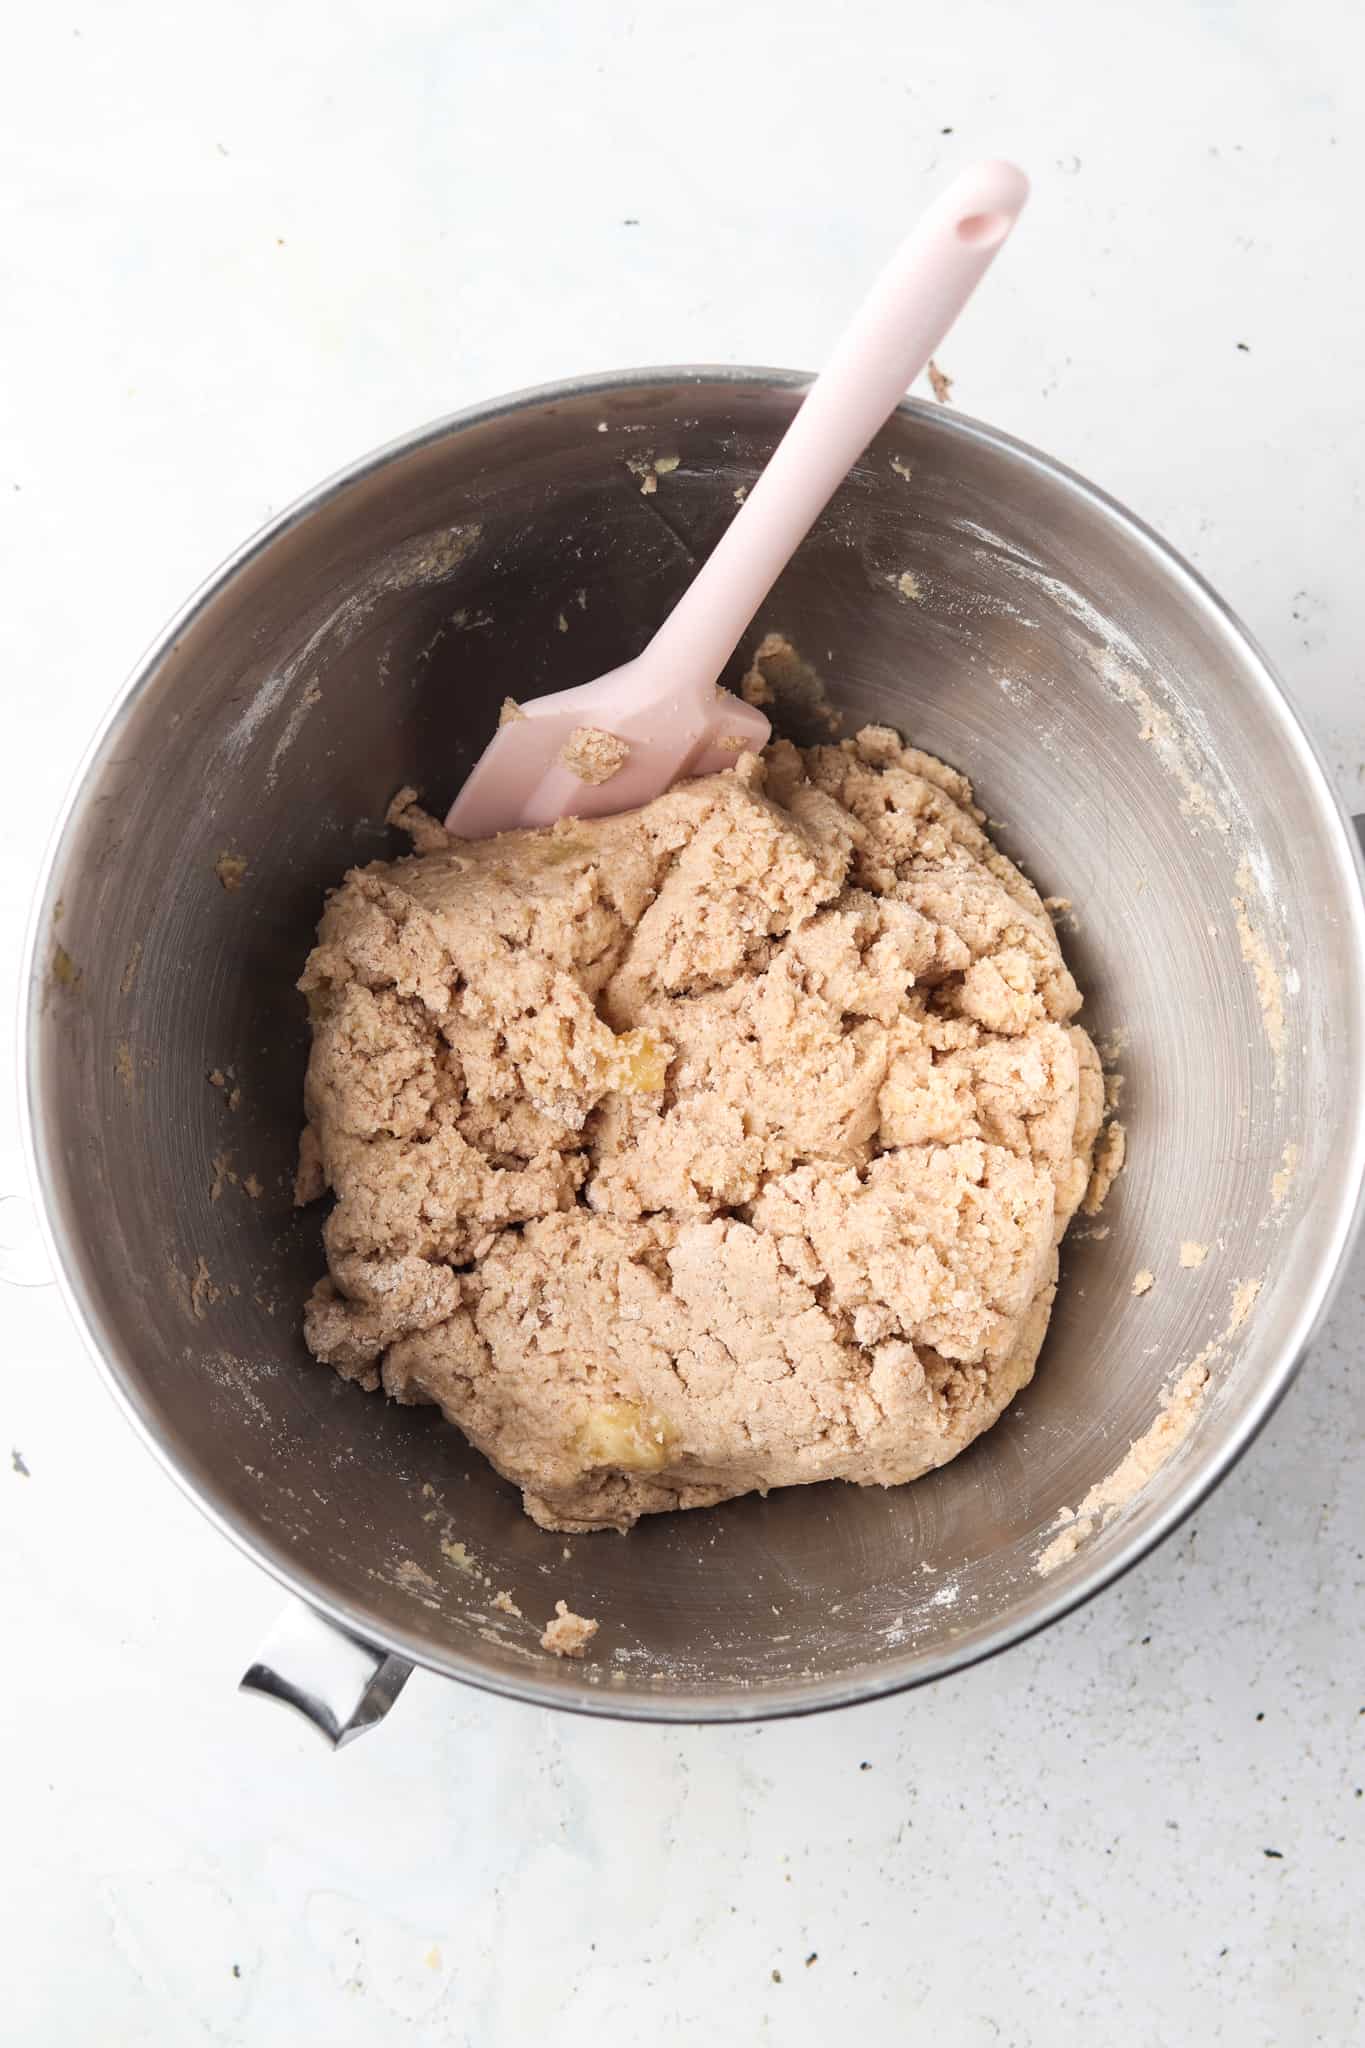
[[609, 746]]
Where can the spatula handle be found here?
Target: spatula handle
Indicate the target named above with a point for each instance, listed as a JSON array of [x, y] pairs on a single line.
[[902, 321]]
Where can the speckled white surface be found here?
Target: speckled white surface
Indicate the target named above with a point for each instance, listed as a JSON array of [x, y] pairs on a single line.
[[242, 246]]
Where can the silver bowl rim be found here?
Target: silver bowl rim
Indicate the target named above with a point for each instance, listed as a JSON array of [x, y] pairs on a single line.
[[793, 1698]]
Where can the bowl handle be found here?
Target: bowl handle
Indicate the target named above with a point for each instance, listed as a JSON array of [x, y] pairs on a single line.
[[340, 1683]]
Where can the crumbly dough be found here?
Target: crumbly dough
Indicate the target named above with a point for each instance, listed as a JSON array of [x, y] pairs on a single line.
[[1176, 1416], [719, 1146], [1109, 1156], [230, 869], [569, 1634], [593, 755]]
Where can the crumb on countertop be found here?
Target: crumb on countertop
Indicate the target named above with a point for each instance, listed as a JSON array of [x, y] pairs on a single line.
[[940, 383]]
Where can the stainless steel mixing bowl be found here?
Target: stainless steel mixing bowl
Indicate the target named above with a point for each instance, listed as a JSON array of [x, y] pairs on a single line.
[[1136, 755]]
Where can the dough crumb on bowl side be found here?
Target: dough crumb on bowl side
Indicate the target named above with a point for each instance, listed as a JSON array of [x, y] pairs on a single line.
[[1266, 975], [781, 680], [1110, 1153], [722, 1145], [405, 813], [1283, 1178], [1179, 1406], [1178, 1409], [231, 870], [569, 1634]]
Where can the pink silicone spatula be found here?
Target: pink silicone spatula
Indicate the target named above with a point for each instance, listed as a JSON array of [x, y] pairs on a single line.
[[665, 704]]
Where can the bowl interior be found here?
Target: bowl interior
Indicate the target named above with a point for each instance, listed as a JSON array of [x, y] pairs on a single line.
[[1132, 756]]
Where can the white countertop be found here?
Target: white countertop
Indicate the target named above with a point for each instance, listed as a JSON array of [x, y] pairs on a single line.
[[247, 243]]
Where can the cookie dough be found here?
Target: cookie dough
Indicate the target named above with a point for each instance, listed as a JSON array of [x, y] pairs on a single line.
[[568, 1634], [594, 756], [719, 1146]]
